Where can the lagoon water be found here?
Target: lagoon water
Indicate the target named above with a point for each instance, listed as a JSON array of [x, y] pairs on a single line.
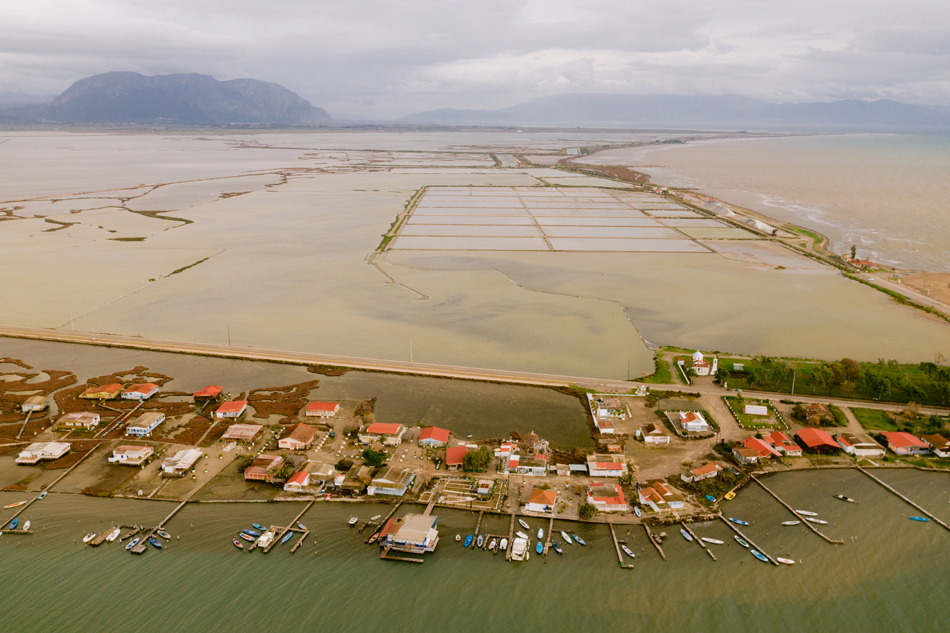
[[891, 579]]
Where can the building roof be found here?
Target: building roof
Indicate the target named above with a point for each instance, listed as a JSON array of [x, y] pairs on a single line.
[[434, 433], [266, 461], [604, 424], [319, 407], [299, 478], [413, 527], [302, 433], [763, 448], [900, 439], [242, 432], [692, 416], [383, 428], [211, 391], [128, 448], [653, 429], [705, 470], [114, 388], [606, 491], [145, 388], [607, 465], [36, 400], [746, 452], [776, 437], [937, 441], [816, 438], [542, 496], [231, 406], [148, 418], [454, 454], [398, 477]]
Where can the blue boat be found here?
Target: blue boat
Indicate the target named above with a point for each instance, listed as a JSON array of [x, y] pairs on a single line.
[[468, 540], [132, 544], [302, 526], [251, 532], [286, 537], [260, 527], [557, 548], [14, 523], [157, 544], [760, 556], [923, 519], [711, 498], [636, 511], [43, 495], [539, 547], [737, 521], [579, 540]]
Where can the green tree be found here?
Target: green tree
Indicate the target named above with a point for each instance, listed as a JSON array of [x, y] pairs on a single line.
[[477, 461], [798, 412], [374, 458], [344, 465], [587, 510], [854, 252]]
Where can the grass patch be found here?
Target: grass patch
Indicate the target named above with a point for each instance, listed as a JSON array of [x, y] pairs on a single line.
[[128, 239], [184, 268], [662, 374], [839, 417], [875, 419], [746, 421]]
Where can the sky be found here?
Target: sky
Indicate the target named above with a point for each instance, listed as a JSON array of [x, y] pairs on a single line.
[[386, 59]]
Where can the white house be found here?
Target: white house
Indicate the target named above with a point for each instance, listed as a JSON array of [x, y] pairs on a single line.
[[859, 445], [34, 404], [84, 419], [391, 481], [140, 392], [42, 451], [145, 424], [605, 466], [131, 455], [389, 434], [693, 421], [322, 409], [414, 533], [606, 497], [535, 465], [181, 463], [702, 472], [604, 425], [433, 437], [654, 434]]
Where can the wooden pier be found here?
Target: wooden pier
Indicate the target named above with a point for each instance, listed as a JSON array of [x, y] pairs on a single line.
[[23, 426], [547, 541], [698, 540], [921, 510], [401, 559], [48, 488], [16, 531], [511, 534], [382, 524], [653, 540], [748, 540], [478, 525], [795, 512], [303, 537], [613, 535]]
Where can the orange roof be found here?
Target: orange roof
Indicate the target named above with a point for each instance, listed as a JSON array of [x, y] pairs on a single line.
[[434, 433], [211, 391], [455, 454], [608, 466], [232, 406], [708, 468], [816, 438], [543, 497], [302, 433], [383, 428], [299, 478], [901, 439], [764, 449], [113, 388], [322, 406], [146, 387]]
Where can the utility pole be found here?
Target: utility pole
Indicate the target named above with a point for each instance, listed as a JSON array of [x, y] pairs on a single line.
[[793, 382]]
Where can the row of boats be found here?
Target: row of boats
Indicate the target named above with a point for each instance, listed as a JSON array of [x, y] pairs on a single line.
[[113, 534], [521, 543], [260, 536], [16, 521]]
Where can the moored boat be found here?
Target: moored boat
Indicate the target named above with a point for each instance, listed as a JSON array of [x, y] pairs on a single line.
[[521, 534], [844, 498], [540, 533], [132, 544], [566, 537], [636, 511], [785, 561], [818, 521], [43, 494], [714, 541], [580, 540], [16, 522], [921, 519], [479, 541], [249, 539], [253, 533], [302, 526], [14, 505], [266, 539], [26, 526], [741, 541], [375, 517], [729, 496], [738, 521], [165, 535], [238, 544], [628, 551], [113, 535], [557, 548], [503, 545], [352, 521], [258, 526], [539, 547], [790, 522], [686, 535], [524, 524], [157, 544], [458, 537], [806, 513], [760, 556], [711, 498], [468, 540], [287, 536], [493, 546]]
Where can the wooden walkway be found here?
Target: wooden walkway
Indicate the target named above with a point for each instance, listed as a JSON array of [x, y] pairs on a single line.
[[50, 487], [613, 535], [547, 541], [478, 525], [924, 512], [23, 426], [748, 540], [402, 559], [511, 534], [653, 540], [698, 540], [797, 515]]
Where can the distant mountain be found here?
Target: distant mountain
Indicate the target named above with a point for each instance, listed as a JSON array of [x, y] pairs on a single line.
[[707, 112], [125, 97]]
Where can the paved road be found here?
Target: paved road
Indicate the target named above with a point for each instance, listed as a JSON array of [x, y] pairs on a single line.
[[910, 293], [425, 369]]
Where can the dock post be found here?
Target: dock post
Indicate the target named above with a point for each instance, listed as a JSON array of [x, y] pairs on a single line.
[[925, 513], [547, 543]]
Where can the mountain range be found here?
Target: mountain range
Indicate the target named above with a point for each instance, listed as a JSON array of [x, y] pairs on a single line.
[[700, 112], [186, 99]]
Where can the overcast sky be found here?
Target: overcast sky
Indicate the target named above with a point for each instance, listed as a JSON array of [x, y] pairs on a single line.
[[387, 58]]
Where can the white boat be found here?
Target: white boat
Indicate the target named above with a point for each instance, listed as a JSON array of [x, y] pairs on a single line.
[[686, 535], [266, 539], [26, 526], [352, 521], [790, 522], [88, 537], [521, 534], [113, 535], [503, 545], [458, 537], [636, 510], [524, 524], [14, 505], [785, 561], [566, 537], [519, 550], [493, 545], [376, 517], [818, 521], [714, 541], [806, 513], [540, 533]]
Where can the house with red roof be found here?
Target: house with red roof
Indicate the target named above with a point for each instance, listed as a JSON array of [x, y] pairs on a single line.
[[454, 456], [702, 472], [604, 426], [140, 392], [606, 496], [745, 456], [693, 421], [105, 392], [783, 444], [902, 443], [389, 434], [433, 437], [298, 482], [321, 409], [763, 448], [208, 393], [816, 440], [605, 466], [650, 498], [231, 409], [300, 438], [541, 500]]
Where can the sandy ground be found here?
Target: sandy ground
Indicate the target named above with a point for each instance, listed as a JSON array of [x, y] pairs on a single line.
[[936, 285]]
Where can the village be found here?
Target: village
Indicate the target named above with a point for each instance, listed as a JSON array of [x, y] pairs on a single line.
[[659, 457]]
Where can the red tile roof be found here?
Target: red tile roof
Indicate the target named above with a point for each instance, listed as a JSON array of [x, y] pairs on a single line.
[[434, 433], [232, 406], [211, 391], [708, 468], [455, 454], [543, 497], [901, 439], [113, 389], [322, 406], [608, 466], [816, 438], [383, 428], [764, 449], [302, 433], [144, 388], [299, 478]]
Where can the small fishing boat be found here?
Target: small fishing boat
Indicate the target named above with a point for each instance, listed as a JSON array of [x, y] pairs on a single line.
[[790, 522], [711, 498], [686, 535], [479, 541], [818, 521], [113, 535], [785, 561], [253, 533], [729, 496], [258, 526], [249, 539], [157, 544], [566, 537], [493, 545], [14, 523], [302, 526], [287, 536], [806, 513], [628, 551], [372, 539], [503, 545], [657, 539], [738, 521], [540, 533], [165, 535], [375, 517], [238, 544], [922, 519], [524, 524], [714, 541], [760, 556], [557, 548], [539, 548], [468, 540], [844, 498], [14, 505], [43, 495], [352, 521], [26, 526], [458, 537], [132, 544], [521, 534], [580, 540], [636, 511], [741, 541]]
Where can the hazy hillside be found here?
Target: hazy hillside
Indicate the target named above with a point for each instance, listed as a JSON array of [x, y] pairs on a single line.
[[124, 97], [716, 112]]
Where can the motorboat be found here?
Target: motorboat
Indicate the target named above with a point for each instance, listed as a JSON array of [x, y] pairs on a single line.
[[249, 539], [43, 494], [818, 521], [238, 544], [253, 533], [302, 526], [14, 505], [540, 533], [557, 548], [539, 547], [132, 544], [503, 545], [113, 535], [521, 534], [493, 546], [636, 511], [711, 498], [580, 540], [468, 540], [524, 524], [686, 535], [165, 535], [921, 519], [741, 541], [458, 537], [519, 549], [844, 498], [628, 551], [566, 537], [15, 522], [352, 521], [376, 517], [729, 496], [738, 521], [760, 556], [806, 513], [258, 526], [479, 541], [266, 539], [157, 544], [287, 536], [785, 561], [26, 526], [790, 522], [714, 541]]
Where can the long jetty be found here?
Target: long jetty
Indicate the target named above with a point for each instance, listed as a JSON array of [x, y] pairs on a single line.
[[924, 512], [653, 540], [613, 535], [547, 541], [747, 539], [26, 421], [49, 487], [795, 512], [698, 540], [511, 534]]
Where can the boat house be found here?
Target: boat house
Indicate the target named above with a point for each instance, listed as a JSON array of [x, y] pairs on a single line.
[[42, 451], [414, 533], [145, 424]]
